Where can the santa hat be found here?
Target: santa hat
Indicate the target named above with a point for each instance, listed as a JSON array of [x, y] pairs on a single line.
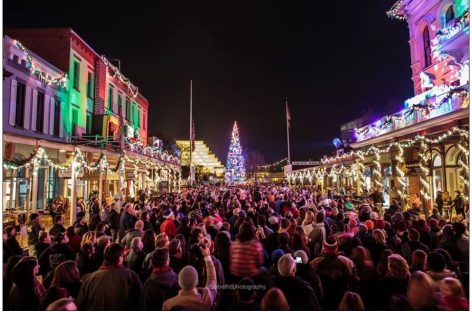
[[330, 246], [168, 213]]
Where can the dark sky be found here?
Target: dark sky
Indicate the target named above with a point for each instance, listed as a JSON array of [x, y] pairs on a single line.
[[331, 59]]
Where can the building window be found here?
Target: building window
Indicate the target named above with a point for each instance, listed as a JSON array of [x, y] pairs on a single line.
[[75, 121], [57, 117], [110, 97], [131, 117], [88, 124], [40, 112], [120, 110], [426, 47], [449, 14], [20, 105], [127, 112], [90, 85], [139, 118], [76, 75]]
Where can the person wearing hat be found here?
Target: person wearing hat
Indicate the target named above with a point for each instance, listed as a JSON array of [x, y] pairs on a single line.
[[132, 234], [176, 255], [127, 220], [163, 282], [33, 229], [335, 271], [299, 294], [191, 297], [168, 226], [112, 286], [54, 255]]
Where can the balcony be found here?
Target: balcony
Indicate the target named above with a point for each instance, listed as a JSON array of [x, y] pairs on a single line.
[[436, 102], [453, 39]]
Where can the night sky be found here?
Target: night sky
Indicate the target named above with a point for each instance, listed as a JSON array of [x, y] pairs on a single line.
[[331, 59]]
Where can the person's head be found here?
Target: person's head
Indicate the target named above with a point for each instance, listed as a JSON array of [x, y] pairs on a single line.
[[169, 214], [87, 249], [103, 241], [113, 255], [58, 219], [398, 267], [161, 241], [129, 208], [274, 300], [287, 265], [246, 290], [418, 260], [7, 271], [24, 272], [420, 291], [64, 304], [188, 278], [413, 235], [175, 248], [379, 237], [145, 216], [11, 231], [61, 238], [361, 256], [459, 228], [34, 217], [301, 254], [436, 262], [139, 225], [284, 224], [246, 232], [65, 274], [451, 287], [351, 301], [160, 258], [101, 227], [330, 246], [309, 218], [89, 237], [137, 244]]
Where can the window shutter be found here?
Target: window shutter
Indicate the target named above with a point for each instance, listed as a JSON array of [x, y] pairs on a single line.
[[12, 116], [34, 111], [27, 107], [61, 124], [46, 113], [51, 116]]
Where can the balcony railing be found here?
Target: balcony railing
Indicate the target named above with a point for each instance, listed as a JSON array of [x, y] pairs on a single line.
[[420, 108], [452, 28]]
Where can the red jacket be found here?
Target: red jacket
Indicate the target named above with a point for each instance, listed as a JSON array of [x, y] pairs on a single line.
[[168, 227]]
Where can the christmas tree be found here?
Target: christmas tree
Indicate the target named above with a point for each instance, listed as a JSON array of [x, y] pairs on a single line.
[[235, 171]]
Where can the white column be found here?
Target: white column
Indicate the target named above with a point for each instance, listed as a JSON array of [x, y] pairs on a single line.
[[100, 187], [34, 189], [73, 198]]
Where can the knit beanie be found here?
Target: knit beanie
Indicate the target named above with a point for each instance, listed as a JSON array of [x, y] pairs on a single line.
[[370, 225], [276, 254], [188, 278]]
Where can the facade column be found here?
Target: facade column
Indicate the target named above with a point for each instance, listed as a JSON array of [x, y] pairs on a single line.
[[73, 199], [34, 191], [442, 154], [100, 187]]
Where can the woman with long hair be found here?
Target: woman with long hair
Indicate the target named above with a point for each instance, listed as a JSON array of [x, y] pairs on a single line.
[[148, 241], [7, 279], [67, 276], [368, 276], [307, 223], [299, 241], [27, 291], [83, 259], [378, 245], [246, 253], [351, 301], [274, 300], [421, 292], [222, 251], [395, 281]]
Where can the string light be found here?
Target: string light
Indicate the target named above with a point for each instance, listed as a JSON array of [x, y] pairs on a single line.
[[424, 171]]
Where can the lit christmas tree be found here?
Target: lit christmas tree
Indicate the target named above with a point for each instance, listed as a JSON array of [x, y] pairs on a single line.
[[235, 171]]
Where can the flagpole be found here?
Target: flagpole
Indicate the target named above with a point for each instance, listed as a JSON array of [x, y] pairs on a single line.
[[190, 142], [288, 136]]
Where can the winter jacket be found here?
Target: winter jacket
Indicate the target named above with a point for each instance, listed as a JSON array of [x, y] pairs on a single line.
[[201, 298], [159, 287], [110, 289], [299, 294]]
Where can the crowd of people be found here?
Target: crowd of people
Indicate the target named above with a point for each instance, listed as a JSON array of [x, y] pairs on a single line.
[[259, 247]]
